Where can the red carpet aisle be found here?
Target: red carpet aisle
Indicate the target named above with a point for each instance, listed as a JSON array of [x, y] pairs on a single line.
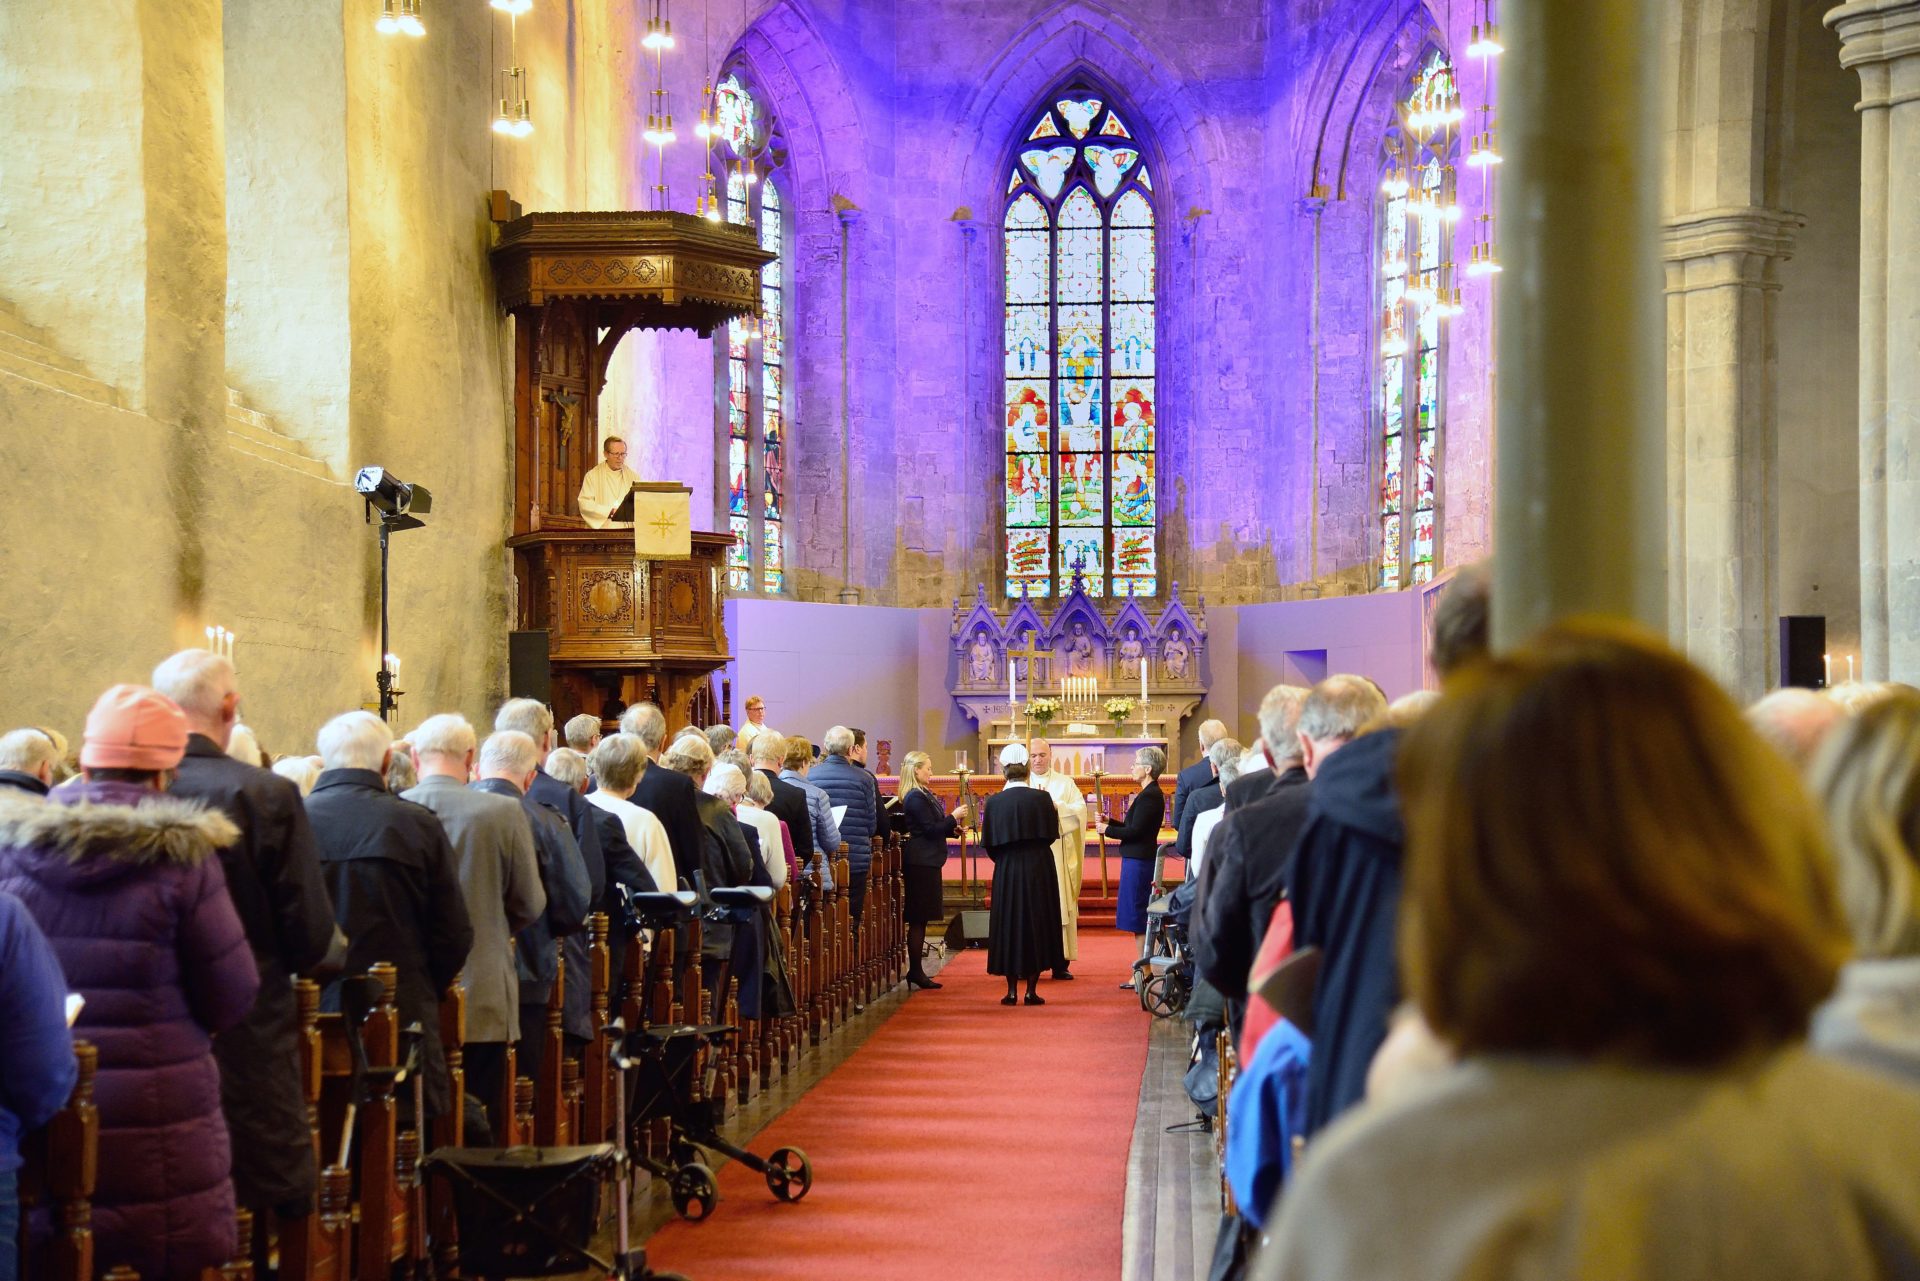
[[964, 1141]]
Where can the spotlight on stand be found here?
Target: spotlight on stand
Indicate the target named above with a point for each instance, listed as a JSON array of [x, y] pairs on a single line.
[[400, 506]]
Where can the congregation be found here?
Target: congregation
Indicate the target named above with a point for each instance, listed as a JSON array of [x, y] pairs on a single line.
[[160, 891], [1568, 962]]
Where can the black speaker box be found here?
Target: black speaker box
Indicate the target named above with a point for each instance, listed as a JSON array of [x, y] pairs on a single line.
[[968, 928], [1803, 648], [529, 675]]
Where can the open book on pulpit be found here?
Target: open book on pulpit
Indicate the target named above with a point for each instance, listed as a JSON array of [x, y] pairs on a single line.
[[662, 516]]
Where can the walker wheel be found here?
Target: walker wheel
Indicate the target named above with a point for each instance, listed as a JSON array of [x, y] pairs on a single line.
[[694, 1192], [1143, 988], [789, 1174], [1160, 997]]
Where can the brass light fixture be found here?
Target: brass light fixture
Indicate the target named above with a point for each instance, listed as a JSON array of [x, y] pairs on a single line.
[[400, 17]]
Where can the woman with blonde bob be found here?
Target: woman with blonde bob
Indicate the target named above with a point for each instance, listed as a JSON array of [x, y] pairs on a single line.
[[1619, 913], [1869, 779], [923, 856]]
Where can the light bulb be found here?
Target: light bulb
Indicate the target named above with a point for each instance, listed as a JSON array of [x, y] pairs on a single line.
[[1486, 42], [389, 21], [503, 123], [514, 7], [412, 26]]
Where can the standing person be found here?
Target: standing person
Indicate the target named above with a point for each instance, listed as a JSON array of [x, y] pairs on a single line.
[[36, 1051], [273, 877], [395, 883], [1619, 913], [607, 485], [1018, 826], [1196, 775], [1138, 835], [727, 859], [583, 732], [849, 787], [126, 884], [27, 761], [666, 794], [923, 859], [756, 724], [789, 803], [826, 830], [500, 878], [617, 763], [508, 762], [1069, 850]]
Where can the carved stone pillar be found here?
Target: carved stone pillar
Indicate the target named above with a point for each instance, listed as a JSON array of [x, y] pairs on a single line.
[[1722, 405], [1880, 39]]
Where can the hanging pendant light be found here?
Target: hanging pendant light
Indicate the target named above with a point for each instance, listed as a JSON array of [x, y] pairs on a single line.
[[514, 119], [1486, 42], [1395, 182], [400, 17]]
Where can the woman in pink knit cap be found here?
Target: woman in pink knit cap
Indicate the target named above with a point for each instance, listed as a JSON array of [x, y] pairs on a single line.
[[124, 882]]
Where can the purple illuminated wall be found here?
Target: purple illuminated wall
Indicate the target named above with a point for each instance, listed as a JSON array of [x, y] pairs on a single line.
[[900, 118]]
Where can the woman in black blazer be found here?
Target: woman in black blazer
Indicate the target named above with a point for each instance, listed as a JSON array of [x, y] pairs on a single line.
[[1139, 838], [923, 856]]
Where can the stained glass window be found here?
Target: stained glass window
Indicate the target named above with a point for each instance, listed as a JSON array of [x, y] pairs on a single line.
[[1417, 210], [1079, 238], [747, 153]]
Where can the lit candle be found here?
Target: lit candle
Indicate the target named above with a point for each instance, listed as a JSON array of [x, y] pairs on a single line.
[[1826, 660], [210, 642], [1849, 666], [230, 639], [393, 667]]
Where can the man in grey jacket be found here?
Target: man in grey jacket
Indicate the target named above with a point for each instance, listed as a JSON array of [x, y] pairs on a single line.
[[500, 879]]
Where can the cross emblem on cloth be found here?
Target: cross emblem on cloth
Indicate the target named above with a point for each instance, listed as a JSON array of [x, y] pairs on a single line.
[[662, 524]]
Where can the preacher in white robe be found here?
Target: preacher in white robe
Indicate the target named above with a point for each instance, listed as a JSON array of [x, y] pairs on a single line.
[[607, 485], [1069, 851]]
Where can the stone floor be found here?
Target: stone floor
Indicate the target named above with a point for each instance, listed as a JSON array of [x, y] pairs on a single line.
[[1173, 1177]]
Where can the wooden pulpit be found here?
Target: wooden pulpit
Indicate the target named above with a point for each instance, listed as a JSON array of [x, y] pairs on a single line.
[[619, 627]]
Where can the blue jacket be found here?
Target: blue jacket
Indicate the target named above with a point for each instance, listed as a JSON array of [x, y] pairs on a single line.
[[826, 832], [1265, 1113], [37, 1070], [847, 784]]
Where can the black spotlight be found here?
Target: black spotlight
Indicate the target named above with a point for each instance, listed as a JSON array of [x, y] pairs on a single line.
[[400, 506], [399, 503]]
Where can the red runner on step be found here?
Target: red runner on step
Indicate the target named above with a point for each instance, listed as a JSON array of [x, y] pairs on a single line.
[[965, 1140]]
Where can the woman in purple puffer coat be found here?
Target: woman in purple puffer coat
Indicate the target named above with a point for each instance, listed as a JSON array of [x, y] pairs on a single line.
[[125, 884]]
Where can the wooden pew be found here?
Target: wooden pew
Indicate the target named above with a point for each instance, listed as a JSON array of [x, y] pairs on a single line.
[[61, 1161], [549, 1084], [596, 1086]]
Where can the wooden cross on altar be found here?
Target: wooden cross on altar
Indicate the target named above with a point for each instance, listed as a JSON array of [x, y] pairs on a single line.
[[1030, 653]]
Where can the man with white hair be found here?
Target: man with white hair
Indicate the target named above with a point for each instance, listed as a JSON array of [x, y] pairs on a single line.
[[664, 793], [500, 876], [617, 763], [534, 719], [395, 882], [27, 758], [583, 733], [1796, 722], [1197, 775], [788, 804], [847, 786], [273, 877], [1208, 796], [1069, 850], [508, 762]]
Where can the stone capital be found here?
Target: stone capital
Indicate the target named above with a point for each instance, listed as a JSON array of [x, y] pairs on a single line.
[[1873, 31], [1748, 231]]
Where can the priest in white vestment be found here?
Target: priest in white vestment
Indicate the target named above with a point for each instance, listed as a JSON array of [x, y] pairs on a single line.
[[1069, 852], [607, 485]]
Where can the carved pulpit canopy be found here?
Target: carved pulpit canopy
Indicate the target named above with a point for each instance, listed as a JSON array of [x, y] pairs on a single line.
[[672, 270]]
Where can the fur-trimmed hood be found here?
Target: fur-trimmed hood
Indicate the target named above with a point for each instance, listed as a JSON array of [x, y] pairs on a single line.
[[101, 829]]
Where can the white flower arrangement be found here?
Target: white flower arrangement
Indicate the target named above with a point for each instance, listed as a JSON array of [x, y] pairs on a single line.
[[1119, 708], [1043, 709]]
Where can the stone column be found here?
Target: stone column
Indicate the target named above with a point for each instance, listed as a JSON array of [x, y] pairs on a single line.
[[1722, 405], [1580, 509], [1880, 39]]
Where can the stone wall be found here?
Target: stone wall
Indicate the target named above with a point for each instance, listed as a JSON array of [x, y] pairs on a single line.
[[189, 209]]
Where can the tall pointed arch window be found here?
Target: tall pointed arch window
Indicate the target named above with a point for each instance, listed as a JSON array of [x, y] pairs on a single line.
[[1079, 236], [748, 156], [1418, 207]]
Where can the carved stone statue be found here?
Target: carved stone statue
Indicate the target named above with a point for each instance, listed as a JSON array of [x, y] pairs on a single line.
[[1131, 653], [1079, 652], [980, 658], [1177, 657]]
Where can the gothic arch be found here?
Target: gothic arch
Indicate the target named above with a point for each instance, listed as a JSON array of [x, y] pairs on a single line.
[[1086, 38], [808, 91]]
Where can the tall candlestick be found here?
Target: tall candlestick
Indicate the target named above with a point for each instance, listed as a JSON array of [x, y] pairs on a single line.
[[1849, 667], [1826, 661]]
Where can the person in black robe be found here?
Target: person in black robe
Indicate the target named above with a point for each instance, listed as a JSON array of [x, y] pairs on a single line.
[[1018, 827]]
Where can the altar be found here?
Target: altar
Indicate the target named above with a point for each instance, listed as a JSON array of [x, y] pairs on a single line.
[[1097, 685]]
